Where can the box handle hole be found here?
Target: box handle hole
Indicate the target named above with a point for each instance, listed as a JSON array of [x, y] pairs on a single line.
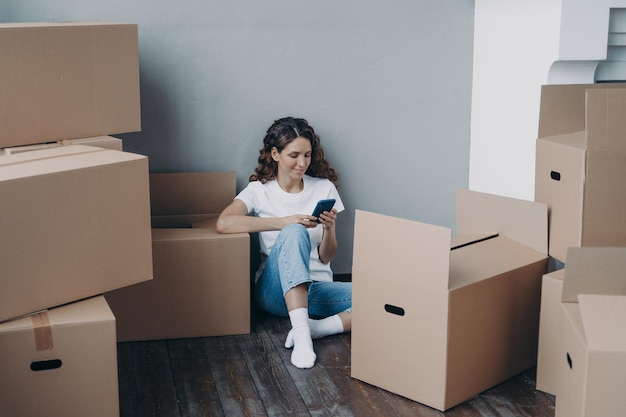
[[569, 361], [45, 365], [398, 311], [556, 176]]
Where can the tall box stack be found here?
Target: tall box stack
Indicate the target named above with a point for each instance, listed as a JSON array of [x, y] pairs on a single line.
[[580, 166], [75, 218], [201, 284], [440, 318]]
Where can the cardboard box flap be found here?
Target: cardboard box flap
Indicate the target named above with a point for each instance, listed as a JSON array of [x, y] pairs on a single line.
[[603, 321], [563, 107], [191, 192], [459, 241], [523, 221], [468, 264], [419, 255], [605, 121], [591, 270]]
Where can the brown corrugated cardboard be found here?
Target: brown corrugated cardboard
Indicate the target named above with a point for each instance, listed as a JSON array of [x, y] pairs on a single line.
[[579, 173], [75, 223], [441, 326], [548, 351], [592, 348], [594, 271], [201, 284], [60, 363], [68, 80], [106, 142], [563, 107], [181, 193], [593, 369]]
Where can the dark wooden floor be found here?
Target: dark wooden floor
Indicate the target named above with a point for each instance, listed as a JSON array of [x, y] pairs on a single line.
[[251, 375]]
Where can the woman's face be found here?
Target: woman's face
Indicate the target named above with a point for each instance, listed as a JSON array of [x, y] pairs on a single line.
[[294, 159]]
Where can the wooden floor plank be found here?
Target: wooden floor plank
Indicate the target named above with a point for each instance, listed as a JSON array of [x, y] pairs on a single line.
[[129, 404], [156, 394], [236, 390], [195, 387]]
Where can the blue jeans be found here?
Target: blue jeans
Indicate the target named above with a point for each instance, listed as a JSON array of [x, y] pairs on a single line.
[[287, 266]]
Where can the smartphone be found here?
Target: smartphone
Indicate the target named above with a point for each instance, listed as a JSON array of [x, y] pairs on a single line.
[[322, 206]]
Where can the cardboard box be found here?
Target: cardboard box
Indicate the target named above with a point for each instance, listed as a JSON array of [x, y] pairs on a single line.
[[75, 223], [592, 365], [439, 319], [201, 287], [580, 165], [67, 81], [548, 356], [60, 363], [201, 284], [107, 142]]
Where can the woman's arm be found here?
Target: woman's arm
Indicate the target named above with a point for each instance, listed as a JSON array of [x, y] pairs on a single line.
[[235, 219], [328, 246]]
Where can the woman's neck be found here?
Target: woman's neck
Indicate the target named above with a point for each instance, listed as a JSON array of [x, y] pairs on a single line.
[[291, 186]]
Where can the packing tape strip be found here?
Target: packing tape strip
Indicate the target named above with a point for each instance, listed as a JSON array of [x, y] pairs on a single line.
[[43, 331]]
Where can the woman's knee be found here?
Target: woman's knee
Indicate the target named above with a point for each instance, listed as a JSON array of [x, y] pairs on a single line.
[[294, 230], [295, 236]]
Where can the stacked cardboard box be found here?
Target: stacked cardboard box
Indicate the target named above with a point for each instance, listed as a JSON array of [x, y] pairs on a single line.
[[75, 219], [201, 284], [591, 359], [440, 318], [580, 166]]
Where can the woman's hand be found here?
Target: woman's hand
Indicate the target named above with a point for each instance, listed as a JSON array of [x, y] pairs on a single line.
[[306, 220], [328, 218], [328, 246]]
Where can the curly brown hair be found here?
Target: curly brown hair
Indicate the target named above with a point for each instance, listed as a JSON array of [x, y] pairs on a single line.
[[280, 134]]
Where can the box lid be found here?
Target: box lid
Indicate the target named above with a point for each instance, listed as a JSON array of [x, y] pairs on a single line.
[[523, 221], [594, 270], [603, 319], [563, 107], [417, 254], [595, 109]]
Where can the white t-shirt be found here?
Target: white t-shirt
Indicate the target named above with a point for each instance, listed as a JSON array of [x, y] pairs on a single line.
[[269, 200]]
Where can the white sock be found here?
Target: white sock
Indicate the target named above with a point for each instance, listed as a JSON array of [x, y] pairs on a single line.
[[303, 355], [319, 328]]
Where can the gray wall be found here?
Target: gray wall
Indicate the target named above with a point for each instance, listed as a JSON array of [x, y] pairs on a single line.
[[386, 84]]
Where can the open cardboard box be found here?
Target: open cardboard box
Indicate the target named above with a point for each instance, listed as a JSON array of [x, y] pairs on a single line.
[[201, 284], [75, 223], [68, 80], [61, 362], [592, 350], [581, 164], [439, 319]]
